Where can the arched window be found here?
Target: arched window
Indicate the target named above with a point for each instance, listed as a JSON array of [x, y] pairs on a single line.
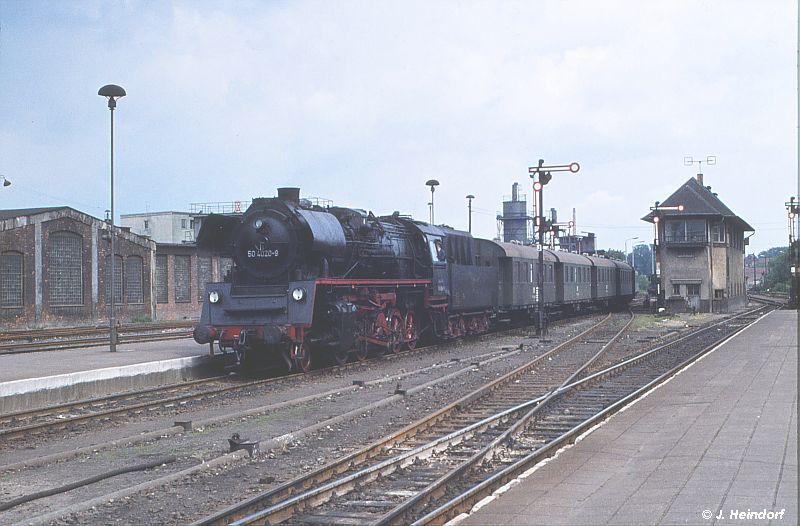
[[203, 276], [225, 266], [11, 279], [134, 291], [65, 269], [183, 278], [162, 282], [118, 267]]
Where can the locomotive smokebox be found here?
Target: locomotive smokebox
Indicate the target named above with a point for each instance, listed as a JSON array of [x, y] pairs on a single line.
[[289, 194]]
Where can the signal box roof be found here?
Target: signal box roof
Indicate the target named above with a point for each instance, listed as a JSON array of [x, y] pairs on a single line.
[[697, 200]]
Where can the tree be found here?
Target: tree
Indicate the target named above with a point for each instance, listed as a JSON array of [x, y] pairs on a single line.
[[642, 259], [778, 277], [772, 252], [612, 253]]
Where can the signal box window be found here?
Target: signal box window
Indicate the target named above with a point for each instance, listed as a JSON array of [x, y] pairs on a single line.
[[676, 290], [693, 290]]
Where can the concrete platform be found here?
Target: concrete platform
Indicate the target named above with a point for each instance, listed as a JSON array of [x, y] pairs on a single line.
[[715, 443], [38, 379]]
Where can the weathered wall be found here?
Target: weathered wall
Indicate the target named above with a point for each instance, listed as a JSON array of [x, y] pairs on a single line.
[[32, 236]]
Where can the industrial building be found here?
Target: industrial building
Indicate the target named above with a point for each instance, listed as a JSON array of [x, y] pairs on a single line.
[[55, 269]]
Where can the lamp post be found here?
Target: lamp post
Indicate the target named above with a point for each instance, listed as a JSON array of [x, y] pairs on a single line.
[[633, 253], [112, 92], [656, 245], [470, 197], [626, 247], [433, 183], [6, 182]]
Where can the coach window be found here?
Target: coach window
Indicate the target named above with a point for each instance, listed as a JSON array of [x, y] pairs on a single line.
[[11, 279]]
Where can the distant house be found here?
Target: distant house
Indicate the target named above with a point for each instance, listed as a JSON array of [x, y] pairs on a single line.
[[700, 251], [755, 268], [162, 227]]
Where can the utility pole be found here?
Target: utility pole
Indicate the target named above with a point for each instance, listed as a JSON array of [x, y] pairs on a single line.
[[793, 208], [470, 197], [542, 175], [656, 245]]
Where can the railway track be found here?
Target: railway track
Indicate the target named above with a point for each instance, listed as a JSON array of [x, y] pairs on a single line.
[[67, 415], [536, 376], [439, 467], [64, 416], [771, 299], [420, 378], [24, 341]]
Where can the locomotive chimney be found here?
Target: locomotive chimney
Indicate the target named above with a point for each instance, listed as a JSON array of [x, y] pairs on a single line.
[[289, 194]]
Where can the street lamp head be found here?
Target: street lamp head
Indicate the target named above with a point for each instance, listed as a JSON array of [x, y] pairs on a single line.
[[432, 183], [6, 182], [112, 92], [470, 196]]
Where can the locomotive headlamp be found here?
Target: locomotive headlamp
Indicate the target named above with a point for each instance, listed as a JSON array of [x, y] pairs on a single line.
[[213, 296], [258, 224], [299, 294]]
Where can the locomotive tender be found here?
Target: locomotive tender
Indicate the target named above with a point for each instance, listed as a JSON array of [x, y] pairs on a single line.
[[339, 282]]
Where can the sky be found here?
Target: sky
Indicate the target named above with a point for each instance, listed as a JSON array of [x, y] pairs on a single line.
[[362, 102]]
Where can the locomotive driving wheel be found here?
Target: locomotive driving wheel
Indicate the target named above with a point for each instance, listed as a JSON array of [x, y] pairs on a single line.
[[301, 355], [395, 340], [341, 355], [362, 345], [410, 331]]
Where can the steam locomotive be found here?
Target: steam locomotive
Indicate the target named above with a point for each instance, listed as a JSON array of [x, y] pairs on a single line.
[[311, 282]]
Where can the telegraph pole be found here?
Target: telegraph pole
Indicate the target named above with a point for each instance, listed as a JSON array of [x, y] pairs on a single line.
[[656, 259], [542, 175], [793, 208]]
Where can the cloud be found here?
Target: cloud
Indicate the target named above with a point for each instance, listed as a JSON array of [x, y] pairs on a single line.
[[363, 102]]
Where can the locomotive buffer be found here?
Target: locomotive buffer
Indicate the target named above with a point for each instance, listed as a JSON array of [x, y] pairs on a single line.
[[542, 175]]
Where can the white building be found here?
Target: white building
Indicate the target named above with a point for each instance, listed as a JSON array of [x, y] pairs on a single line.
[[162, 227]]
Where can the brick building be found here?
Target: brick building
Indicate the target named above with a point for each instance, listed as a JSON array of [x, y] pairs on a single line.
[[180, 277], [180, 271], [55, 269], [699, 251]]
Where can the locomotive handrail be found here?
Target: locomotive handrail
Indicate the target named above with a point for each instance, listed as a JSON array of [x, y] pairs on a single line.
[[374, 282]]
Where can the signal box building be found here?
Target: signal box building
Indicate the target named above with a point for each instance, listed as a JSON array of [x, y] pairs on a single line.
[[699, 251]]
